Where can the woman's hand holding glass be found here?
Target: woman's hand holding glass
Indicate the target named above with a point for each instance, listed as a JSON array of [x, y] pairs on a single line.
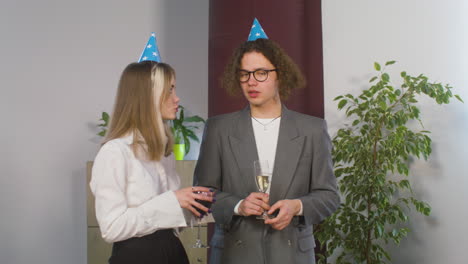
[[207, 204], [188, 197]]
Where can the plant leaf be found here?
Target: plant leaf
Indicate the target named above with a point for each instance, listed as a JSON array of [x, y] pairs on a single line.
[[194, 119], [342, 103], [385, 77], [376, 66]]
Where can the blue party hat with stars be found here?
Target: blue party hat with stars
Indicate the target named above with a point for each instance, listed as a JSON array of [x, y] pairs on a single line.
[[151, 51], [257, 31]]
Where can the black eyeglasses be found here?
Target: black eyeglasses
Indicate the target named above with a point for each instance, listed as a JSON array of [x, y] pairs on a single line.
[[260, 75]]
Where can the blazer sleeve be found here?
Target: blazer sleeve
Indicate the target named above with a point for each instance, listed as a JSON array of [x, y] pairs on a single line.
[[209, 173], [323, 198], [118, 221]]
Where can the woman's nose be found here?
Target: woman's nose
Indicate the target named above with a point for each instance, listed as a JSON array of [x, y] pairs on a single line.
[[176, 99]]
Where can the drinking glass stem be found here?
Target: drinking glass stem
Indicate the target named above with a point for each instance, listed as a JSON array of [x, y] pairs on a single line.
[[198, 231]]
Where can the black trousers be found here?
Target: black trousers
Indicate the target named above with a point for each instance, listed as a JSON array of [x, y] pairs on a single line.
[[161, 247]]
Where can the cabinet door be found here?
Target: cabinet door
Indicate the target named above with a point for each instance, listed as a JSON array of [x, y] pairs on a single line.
[[188, 237], [98, 250], [90, 211]]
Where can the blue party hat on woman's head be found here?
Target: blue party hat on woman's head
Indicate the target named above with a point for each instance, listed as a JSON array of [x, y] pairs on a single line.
[[151, 51], [257, 31]]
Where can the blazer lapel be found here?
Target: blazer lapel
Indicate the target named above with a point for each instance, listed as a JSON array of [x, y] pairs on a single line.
[[244, 148], [288, 152]]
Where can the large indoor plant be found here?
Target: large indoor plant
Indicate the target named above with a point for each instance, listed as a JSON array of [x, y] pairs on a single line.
[[372, 154], [183, 132]]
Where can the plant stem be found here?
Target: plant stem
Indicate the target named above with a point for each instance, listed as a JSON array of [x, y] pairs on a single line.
[[378, 135], [368, 244]]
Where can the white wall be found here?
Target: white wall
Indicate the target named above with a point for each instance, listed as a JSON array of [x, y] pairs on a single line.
[[60, 64], [424, 36]]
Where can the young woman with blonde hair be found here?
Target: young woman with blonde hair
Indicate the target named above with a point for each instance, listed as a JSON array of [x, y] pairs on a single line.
[[139, 203]]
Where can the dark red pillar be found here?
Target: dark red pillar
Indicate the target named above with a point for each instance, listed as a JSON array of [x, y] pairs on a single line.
[[295, 25]]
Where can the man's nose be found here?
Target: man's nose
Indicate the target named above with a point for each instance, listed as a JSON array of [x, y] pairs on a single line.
[[252, 81]]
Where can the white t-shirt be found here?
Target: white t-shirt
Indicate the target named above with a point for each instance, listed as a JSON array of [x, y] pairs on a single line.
[[266, 132]]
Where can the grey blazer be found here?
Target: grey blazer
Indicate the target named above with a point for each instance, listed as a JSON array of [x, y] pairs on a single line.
[[302, 170]]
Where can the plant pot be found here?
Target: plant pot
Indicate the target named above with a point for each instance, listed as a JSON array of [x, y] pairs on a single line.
[[179, 151]]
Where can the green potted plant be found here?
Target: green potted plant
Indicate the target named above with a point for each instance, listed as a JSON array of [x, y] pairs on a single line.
[[372, 155], [183, 132], [105, 117]]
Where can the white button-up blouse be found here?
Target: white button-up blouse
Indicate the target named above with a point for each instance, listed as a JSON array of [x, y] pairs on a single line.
[[134, 197]]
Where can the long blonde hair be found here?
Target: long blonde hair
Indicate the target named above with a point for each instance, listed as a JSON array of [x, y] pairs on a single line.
[[142, 88]]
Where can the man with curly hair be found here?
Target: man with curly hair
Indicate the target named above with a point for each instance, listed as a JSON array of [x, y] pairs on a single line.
[[303, 188]]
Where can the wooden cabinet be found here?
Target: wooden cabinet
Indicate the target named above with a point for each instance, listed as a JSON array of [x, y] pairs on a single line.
[[99, 251]]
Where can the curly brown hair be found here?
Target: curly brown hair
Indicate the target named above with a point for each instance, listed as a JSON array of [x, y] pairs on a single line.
[[289, 75]]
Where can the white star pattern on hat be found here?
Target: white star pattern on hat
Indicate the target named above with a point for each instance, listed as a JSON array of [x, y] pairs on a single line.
[[151, 51], [256, 31]]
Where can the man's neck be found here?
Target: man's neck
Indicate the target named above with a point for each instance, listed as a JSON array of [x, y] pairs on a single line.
[[270, 111]]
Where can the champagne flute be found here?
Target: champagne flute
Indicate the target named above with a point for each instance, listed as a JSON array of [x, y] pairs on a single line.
[[198, 241], [262, 174]]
